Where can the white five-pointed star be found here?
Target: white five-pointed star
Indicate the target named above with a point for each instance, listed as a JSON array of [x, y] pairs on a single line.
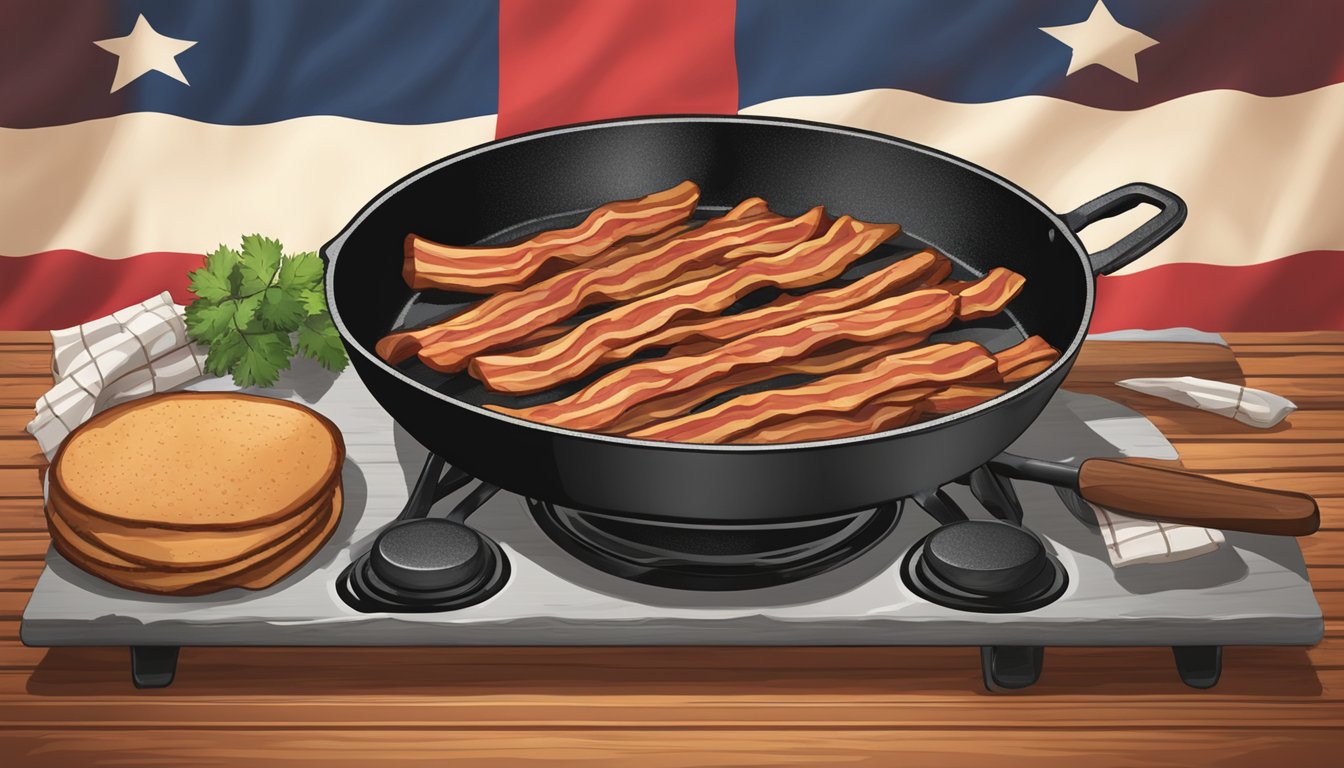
[[1102, 40], [142, 50]]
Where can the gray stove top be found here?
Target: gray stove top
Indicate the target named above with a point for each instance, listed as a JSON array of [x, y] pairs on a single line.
[[1253, 591]]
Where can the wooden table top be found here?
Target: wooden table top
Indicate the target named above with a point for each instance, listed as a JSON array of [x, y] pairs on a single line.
[[656, 707]]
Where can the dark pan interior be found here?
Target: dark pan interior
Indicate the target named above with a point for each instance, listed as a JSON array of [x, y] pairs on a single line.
[[425, 307], [509, 191]]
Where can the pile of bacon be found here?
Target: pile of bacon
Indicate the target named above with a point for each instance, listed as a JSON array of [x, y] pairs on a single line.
[[663, 284]]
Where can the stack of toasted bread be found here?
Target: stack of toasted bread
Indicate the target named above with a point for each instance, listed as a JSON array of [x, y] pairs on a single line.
[[191, 493]]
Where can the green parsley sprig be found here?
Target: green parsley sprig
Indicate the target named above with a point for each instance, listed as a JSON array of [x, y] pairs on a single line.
[[252, 302]]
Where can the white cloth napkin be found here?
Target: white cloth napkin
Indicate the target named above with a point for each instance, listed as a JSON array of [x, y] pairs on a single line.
[[1250, 406], [1132, 540], [133, 352]]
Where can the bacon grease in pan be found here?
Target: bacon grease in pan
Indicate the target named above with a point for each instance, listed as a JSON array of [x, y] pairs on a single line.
[[475, 269], [626, 328]]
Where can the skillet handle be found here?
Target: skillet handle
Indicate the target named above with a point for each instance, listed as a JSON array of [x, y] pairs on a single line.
[[1169, 218], [1175, 496]]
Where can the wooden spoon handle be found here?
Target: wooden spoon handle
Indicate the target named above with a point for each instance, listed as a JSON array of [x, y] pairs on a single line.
[[1175, 496]]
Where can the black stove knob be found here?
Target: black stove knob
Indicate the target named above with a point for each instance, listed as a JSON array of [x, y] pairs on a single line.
[[428, 554], [988, 557]]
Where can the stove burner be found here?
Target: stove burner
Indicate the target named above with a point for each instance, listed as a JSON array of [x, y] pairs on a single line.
[[988, 559], [987, 566], [429, 555], [420, 564], [423, 565], [712, 556]]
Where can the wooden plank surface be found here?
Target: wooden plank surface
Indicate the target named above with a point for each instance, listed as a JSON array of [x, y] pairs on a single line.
[[20, 452], [1185, 425], [20, 482], [30, 360], [655, 747], [1100, 365], [22, 391], [698, 706], [13, 420]]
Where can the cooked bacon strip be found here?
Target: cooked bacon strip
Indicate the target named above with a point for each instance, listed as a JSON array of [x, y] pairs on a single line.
[[1015, 364], [752, 208], [506, 317], [627, 327], [891, 279], [611, 255], [912, 270], [942, 267], [627, 248], [694, 348], [909, 406], [925, 269], [1027, 370], [1000, 288], [840, 393], [605, 400], [1024, 360], [474, 269], [708, 332], [540, 336], [747, 211], [891, 412], [958, 397], [988, 295], [624, 250], [841, 359], [898, 410], [663, 268]]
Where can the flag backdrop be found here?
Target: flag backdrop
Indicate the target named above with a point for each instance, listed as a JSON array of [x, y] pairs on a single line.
[[137, 134]]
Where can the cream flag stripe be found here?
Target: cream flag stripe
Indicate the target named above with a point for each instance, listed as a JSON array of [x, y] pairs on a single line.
[[1259, 173], [1262, 175], [146, 182]]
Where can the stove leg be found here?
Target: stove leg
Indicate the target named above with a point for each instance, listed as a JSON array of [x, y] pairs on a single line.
[[153, 666], [1199, 665], [1010, 667]]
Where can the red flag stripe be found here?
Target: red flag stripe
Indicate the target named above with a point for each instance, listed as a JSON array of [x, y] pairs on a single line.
[[57, 289], [1296, 293], [593, 59]]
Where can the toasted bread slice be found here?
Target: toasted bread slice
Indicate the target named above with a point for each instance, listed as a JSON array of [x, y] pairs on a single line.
[[256, 572], [169, 549], [198, 460]]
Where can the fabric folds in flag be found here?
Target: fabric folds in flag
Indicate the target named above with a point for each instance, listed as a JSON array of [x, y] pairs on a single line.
[[136, 135]]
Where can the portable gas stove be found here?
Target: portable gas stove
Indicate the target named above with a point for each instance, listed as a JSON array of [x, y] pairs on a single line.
[[1008, 566]]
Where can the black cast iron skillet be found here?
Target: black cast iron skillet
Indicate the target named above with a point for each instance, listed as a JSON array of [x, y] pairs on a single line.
[[511, 188]]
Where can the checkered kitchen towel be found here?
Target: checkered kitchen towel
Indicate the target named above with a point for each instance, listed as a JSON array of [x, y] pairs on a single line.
[[1131, 541], [134, 352]]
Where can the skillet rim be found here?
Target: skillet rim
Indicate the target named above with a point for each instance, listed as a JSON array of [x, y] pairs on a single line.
[[331, 250]]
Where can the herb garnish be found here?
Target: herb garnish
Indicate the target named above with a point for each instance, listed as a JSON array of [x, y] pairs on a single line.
[[252, 302]]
